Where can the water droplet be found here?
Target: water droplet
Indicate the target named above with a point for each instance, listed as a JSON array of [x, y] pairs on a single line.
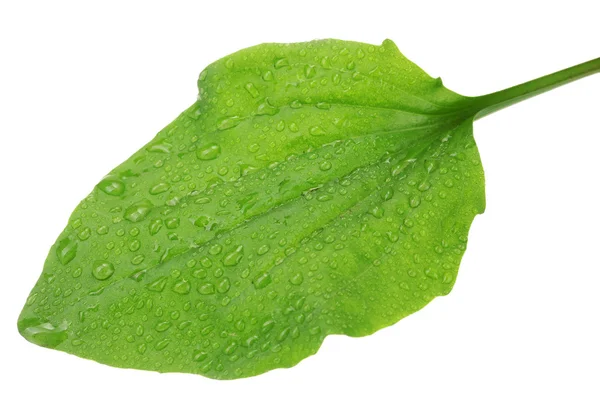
[[172, 223], [208, 152], [415, 201], [160, 147], [267, 326], [262, 281], [158, 284], [103, 270], [424, 186], [297, 279], [110, 185], [447, 278], [230, 348], [162, 344], [310, 71], [229, 122], [134, 245], [182, 287], [280, 63], [137, 259], [251, 88], [254, 147], [377, 212], [159, 188], [357, 76], [263, 249], [387, 194], [137, 212], [84, 234], [233, 258], [267, 75], [43, 333], [199, 356], [266, 108], [206, 289], [155, 226], [283, 334], [224, 286], [66, 250], [202, 221], [326, 165], [393, 236], [215, 249], [162, 326], [316, 131]]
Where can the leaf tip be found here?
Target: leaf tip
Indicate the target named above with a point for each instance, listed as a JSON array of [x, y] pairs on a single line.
[[42, 332]]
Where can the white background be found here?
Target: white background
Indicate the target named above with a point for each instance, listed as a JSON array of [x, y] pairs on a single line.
[[82, 86]]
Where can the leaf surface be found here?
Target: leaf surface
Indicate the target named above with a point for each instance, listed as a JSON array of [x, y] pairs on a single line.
[[316, 188]]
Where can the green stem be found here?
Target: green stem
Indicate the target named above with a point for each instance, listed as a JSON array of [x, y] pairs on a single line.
[[485, 105]]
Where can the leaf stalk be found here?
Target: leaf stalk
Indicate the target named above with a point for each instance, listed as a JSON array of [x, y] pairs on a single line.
[[487, 104]]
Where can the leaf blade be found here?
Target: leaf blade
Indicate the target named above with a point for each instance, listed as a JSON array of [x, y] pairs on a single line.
[[217, 248]]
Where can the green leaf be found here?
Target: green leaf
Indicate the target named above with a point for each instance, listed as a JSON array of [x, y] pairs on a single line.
[[316, 188]]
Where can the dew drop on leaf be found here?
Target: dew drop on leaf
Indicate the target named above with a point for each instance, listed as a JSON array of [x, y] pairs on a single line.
[[103, 270], [112, 186], [208, 152]]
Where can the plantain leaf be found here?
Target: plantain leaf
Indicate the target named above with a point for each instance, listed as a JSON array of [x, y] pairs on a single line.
[[315, 188]]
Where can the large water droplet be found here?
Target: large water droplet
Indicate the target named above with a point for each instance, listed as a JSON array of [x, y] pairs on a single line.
[[206, 289], [137, 212], [415, 201], [316, 131], [266, 108], [263, 249], [208, 152], [281, 62], [43, 333], [159, 188], [251, 88], [234, 257], [267, 75], [229, 122], [103, 270], [326, 165], [224, 286], [110, 185], [377, 212], [202, 221], [158, 284], [310, 71], [182, 287], [297, 279], [262, 281], [66, 250]]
